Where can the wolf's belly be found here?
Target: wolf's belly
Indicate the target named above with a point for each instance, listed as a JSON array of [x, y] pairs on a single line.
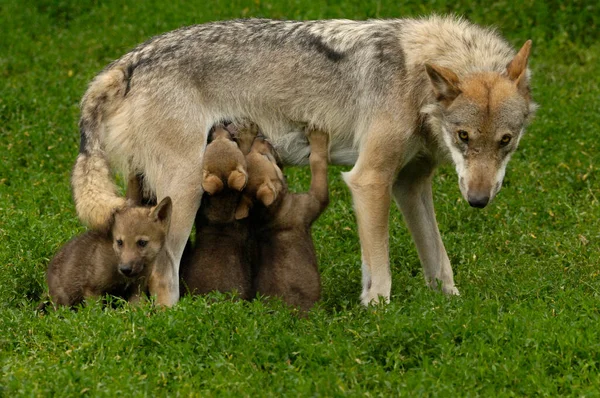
[[294, 149]]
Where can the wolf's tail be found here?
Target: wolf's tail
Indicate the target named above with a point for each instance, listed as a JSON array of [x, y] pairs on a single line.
[[95, 193]]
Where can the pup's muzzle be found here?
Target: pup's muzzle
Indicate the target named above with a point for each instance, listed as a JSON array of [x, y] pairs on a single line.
[[129, 270]]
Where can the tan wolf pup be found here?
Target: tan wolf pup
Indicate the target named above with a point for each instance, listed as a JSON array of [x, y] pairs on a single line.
[[220, 259], [397, 97], [286, 261], [118, 261]]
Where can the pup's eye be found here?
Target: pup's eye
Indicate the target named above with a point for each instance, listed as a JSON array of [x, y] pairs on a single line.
[[119, 242], [463, 135], [505, 140], [142, 243]]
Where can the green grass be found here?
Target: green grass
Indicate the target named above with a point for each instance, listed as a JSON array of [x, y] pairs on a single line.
[[528, 266]]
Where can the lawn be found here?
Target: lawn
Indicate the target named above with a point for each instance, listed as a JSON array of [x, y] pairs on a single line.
[[528, 266]]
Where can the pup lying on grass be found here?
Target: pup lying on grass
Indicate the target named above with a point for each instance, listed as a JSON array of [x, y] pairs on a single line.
[[118, 262], [220, 259], [286, 261]]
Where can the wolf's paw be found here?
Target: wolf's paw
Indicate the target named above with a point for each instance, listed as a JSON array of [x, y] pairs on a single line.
[[447, 287], [370, 296], [450, 290]]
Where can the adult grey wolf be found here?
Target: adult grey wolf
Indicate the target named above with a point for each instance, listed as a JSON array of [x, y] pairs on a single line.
[[396, 97]]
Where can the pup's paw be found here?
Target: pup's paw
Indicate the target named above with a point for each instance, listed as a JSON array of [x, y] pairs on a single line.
[[244, 129], [244, 134], [318, 141], [317, 138]]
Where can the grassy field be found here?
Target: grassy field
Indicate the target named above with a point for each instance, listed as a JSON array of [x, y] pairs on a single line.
[[528, 266]]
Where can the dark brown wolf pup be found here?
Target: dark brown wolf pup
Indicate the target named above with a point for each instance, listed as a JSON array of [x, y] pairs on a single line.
[[281, 222], [220, 259]]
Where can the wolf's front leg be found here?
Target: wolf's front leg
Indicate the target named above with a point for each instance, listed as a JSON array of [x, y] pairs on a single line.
[[412, 192], [382, 150], [371, 197]]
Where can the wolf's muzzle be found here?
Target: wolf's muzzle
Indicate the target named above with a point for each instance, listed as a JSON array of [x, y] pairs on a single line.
[[478, 200]]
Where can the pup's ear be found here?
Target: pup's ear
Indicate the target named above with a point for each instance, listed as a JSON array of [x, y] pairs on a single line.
[[445, 83], [162, 211], [237, 178], [266, 194], [211, 183], [517, 68], [243, 208]]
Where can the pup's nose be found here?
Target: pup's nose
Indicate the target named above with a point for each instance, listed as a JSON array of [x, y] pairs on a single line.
[[479, 201], [126, 269]]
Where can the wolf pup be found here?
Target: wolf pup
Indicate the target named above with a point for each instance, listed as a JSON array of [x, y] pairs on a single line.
[[220, 260], [118, 262], [397, 97], [286, 258]]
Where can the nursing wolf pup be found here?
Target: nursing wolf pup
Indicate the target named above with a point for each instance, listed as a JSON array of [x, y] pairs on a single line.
[[397, 97], [220, 259], [286, 261], [118, 261]]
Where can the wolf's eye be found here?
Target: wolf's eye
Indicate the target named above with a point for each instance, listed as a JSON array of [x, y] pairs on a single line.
[[142, 243], [505, 140], [119, 242], [463, 135]]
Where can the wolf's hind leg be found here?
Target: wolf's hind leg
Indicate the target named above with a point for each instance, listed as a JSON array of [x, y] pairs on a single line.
[[183, 186], [180, 178]]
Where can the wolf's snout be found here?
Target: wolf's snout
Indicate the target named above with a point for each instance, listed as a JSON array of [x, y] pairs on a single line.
[[479, 200]]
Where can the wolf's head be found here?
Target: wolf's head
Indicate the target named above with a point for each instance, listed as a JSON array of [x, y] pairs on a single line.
[[481, 118], [139, 234]]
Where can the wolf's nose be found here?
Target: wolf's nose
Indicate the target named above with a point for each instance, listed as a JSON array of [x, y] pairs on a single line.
[[479, 201], [125, 269]]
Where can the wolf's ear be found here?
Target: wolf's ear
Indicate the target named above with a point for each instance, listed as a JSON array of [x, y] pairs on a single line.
[[237, 178], [445, 83], [211, 183], [162, 211], [243, 208], [266, 193], [517, 68]]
